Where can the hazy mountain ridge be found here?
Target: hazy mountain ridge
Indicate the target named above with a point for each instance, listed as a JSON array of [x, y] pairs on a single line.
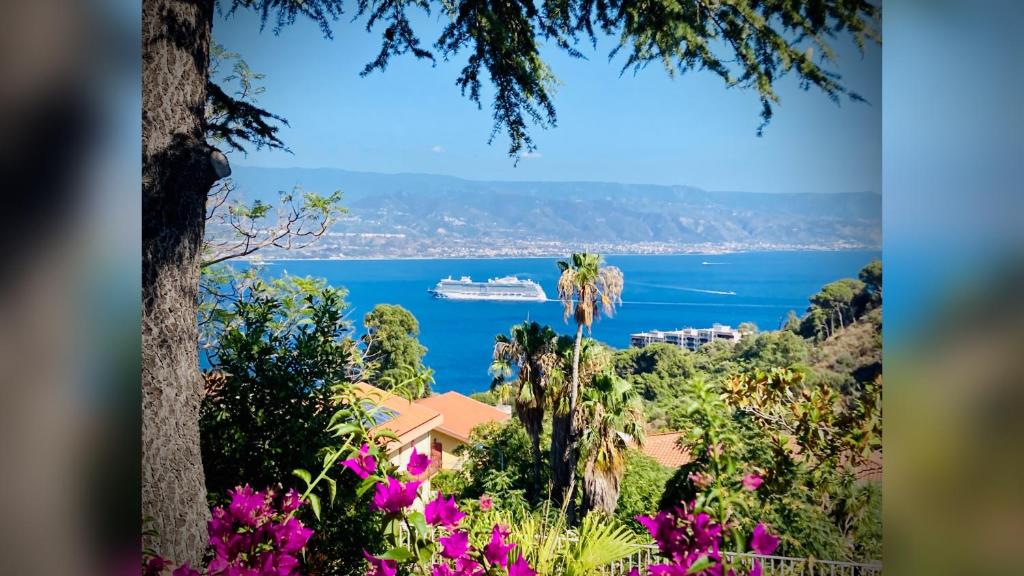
[[428, 215]]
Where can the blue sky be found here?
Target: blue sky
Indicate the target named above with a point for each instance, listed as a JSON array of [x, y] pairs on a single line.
[[644, 128]]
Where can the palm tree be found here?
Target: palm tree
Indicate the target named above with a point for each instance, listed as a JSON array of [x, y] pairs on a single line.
[[612, 413], [587, 289], [529, 351]]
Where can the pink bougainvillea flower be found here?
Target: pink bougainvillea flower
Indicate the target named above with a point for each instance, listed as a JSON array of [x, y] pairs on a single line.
[[521, 568], [380, 567], [663, 529], [277, 564], [496, 551], [291, 501], [467, 567], [291, 536], [155, 566], [700, 479], [363, 464], [633, 572], [442, 512], [705, 533], [185, 570], [666, 570], [456, 545], [393, 496], [248, 506], [762, 542], [486, 502], [441, 569], [418, 463], [752, 482], [755, 570]]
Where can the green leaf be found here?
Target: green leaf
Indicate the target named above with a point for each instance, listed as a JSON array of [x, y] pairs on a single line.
[[398, 554], [419, 522], [332, 488], [303, 474], [702, 563], [345, 429], [365, 485], [426, 554], [314, 503]]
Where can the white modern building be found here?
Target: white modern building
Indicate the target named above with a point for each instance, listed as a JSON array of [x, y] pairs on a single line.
[[689, 338]]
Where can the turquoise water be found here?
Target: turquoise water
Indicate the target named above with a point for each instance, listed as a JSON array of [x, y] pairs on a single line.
[[661, 292]]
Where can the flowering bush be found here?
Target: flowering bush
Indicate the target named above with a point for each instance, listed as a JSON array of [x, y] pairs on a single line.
[[691, 542], [255, 535], [430, 542]]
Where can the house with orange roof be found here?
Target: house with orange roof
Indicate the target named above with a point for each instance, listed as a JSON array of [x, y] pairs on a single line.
[[664, 448], [414, 424], [460, 415]]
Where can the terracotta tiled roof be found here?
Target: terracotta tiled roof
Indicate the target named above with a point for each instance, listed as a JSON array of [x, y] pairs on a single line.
[[461, 413], [409, 421], [665, 449]]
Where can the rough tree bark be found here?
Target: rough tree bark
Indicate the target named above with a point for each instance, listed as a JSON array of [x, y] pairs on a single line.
[[177, 173], [564, 439]]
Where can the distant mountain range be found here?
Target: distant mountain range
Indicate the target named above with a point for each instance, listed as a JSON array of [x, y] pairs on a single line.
[[422, 215]]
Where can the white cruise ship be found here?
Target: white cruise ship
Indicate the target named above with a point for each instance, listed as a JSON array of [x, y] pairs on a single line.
[[507, 288]]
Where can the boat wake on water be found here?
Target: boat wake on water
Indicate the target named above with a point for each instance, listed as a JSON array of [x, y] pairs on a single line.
[[706, 304], [684, 289]]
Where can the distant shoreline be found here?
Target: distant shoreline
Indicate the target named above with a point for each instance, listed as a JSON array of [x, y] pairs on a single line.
[[563, 255]]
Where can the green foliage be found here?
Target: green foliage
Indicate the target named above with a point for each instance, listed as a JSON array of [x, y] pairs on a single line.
[[655, 369], [272, 366], [498, 462], [279, 354], [236, 228], [771, 350], [552, 548], [609, 409], [232, 115], [642, 486], [747, 44], [393, 350]]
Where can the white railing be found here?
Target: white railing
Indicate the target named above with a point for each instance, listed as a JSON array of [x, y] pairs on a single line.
[[770, 565]]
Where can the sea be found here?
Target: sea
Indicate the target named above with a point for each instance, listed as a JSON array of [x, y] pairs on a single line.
[[661, 292]]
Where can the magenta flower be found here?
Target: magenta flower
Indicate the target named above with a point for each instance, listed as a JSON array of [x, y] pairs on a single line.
[[752, 482], [456, 545], [418, 463], [291, 536], [700, 479], [755, 570], [441, 569], [467, 567], [441, 512], [394, 496], [762, 542], [291, 501], [364, 464], [496, 551], [185, 570], [248, 506], [380, 567], [486, 503], [521, 568]]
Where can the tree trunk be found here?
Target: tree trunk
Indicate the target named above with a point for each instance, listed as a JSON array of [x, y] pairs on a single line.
[[537, 490], [177, 174], [600, 490], [564, 461]]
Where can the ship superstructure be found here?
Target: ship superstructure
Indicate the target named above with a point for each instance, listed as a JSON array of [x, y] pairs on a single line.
[[506, 288]]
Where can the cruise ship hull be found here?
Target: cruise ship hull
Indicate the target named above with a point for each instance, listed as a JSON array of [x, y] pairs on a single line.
[[493, 297], [507, 289]]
